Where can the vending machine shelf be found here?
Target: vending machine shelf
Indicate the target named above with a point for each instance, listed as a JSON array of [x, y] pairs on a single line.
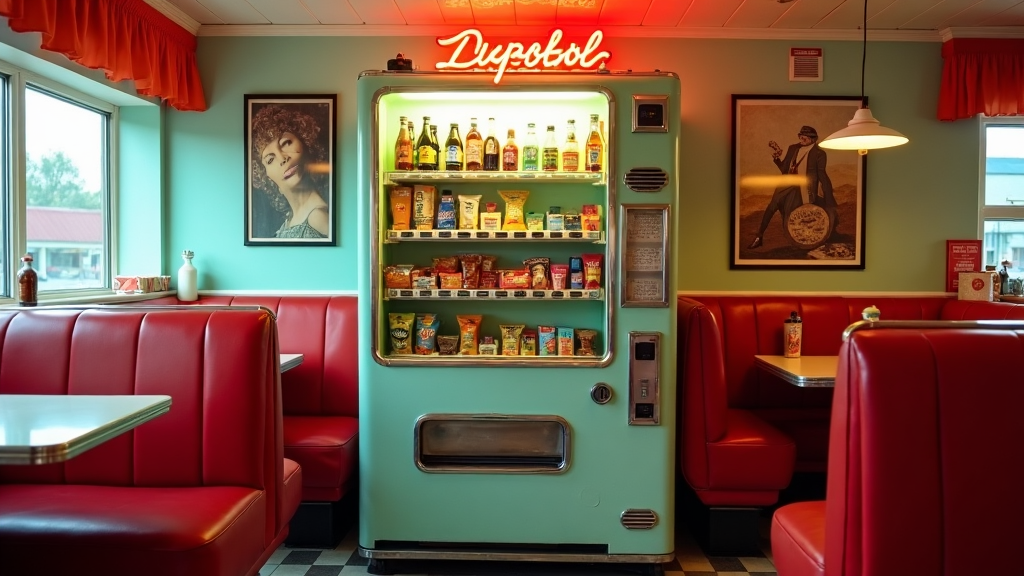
[[592, 236], [596, 178], [493, 360], [511, 295]]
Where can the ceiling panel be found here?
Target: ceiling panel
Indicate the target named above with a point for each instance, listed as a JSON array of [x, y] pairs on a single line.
[[332, 12], [850, 15], [196, 11], [284, 11], [710, 13], [234, 12], [666, 12], [936, 15], [623, 12], [759, 14], [456, 11], [578, 12], [377, 11], [536, 12], [1013, 16], [420, 11], [978, 13], [896, 16], [493, 12]]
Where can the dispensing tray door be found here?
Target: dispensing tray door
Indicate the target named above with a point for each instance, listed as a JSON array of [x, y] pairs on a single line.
[[492, 443]]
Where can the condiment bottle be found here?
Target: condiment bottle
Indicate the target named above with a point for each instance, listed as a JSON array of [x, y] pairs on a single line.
[[792, 335], [187, 288], [28, 283]]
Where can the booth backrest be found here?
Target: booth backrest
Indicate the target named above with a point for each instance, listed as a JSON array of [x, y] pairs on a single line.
[[322, 329], [219, 366], [924, 466]]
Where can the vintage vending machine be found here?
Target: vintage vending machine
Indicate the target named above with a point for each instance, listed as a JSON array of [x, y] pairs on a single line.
[[517, 321]]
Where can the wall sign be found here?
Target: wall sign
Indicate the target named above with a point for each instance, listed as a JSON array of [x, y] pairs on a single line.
[[473, 53]]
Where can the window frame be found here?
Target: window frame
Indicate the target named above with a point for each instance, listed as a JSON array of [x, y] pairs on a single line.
[[994, 212], [19, 80]]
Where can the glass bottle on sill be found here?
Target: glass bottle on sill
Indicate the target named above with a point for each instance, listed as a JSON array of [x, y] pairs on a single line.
[[187, 289], [28, 283]]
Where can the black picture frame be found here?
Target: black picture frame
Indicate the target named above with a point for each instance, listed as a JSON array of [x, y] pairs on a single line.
[[777, 223], [293, 202]]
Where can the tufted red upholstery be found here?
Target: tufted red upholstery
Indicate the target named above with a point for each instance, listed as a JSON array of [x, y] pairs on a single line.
[[924, 472], [738, 424], [202, 489], [320, 395]]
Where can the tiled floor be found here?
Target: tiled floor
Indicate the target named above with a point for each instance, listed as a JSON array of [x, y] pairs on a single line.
[[344, 559]]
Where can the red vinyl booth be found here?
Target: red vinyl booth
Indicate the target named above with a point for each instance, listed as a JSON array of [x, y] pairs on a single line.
[[924, 464]]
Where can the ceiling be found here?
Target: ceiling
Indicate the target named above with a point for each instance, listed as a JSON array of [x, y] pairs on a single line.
[[909, 19]]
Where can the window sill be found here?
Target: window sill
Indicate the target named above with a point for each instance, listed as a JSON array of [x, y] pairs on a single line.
[[93, 298]]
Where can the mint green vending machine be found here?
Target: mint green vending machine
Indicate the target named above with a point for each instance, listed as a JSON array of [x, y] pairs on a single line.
[[517, 316]]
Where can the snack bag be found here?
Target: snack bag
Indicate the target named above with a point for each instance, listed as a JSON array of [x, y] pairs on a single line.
[[426, 333], [528, 342], [469, 208], [446, 211], [510, 338], [469, 333], [515, 217], [400, 326], [539, 272], [592, 271], [586, 337], [401, 207], [423, 206]]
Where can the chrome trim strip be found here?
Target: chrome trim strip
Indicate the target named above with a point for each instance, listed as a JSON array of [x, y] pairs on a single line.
[[932, 324], [516, 556], [796, 380]]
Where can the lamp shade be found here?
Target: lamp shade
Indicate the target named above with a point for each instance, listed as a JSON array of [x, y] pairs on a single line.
[[863, 133]]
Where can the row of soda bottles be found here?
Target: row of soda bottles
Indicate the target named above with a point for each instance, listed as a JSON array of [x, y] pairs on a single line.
[[479, 153]]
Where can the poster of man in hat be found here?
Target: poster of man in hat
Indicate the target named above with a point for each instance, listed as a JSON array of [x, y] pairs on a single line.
[[800, 205]]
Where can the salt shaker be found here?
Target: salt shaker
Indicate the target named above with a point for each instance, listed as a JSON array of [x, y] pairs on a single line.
[[871, 313], [792, 335]]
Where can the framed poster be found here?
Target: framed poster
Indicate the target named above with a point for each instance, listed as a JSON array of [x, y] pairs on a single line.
[[795, 205], [289, 170]]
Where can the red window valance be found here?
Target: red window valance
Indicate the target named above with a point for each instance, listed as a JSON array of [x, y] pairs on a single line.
[[981, 76], [127, 39]]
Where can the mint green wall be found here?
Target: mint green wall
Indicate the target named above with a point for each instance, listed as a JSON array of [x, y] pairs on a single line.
[[140, 229], [918, 195]]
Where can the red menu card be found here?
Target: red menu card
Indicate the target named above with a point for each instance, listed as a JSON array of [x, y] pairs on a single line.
[[961, 256]]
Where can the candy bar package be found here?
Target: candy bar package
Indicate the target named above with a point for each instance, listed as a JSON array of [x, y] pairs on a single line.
[[426, 333], [401, 327]]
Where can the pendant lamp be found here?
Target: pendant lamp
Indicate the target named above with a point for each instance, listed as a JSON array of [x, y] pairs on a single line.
[[863, 133]]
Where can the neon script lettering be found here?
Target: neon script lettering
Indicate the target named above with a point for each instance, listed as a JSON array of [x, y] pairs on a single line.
[[472, 52]]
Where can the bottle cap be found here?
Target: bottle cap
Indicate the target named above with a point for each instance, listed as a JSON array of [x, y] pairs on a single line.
[[491, 206], [26, 258]]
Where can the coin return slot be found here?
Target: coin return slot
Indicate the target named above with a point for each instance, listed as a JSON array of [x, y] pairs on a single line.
[[492, 444]]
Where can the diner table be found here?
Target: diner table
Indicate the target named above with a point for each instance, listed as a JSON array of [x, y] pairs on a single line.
[[289, 361], [803, 371], [43, 429]]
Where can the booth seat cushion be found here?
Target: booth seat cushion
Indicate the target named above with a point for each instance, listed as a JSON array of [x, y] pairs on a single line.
[[798, 539], [328, 450], [749, 464]]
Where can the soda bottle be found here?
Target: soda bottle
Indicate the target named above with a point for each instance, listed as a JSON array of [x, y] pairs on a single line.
[[571, 150], [28, 283], [549, 157], [453, 151], [474, 147], [594, 146], [492, 149], [510, 154], [436, 145], [531, 152], [426, 156], [403, 147]]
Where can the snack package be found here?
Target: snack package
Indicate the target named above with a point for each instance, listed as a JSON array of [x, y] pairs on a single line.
[[515, 279], [424, 198], [469, 207], [539, 274], [591, 217], [491, 219], [586, 342], [515, 217], [488, 347], [559, 276], [446, 211], [576, 279], [423, 278], [400, 327], [471, 270], [446, 264], [555, 221], [547, 341], [528, 342], [534, 221], [426, 333], [566, 339], [487, 263], [447, 345], [401, 207], [592, 271], [571, 220], [398, 276], [450, 280], [510, 338], [469, 333], [488, 279]]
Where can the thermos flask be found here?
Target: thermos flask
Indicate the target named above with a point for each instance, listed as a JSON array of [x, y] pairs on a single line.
[[792, 335]]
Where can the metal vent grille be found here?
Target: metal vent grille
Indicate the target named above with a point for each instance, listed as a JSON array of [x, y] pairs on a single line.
[[636, 519], [645, 179]]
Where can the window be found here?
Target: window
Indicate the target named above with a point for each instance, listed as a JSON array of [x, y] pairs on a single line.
[[57, 195], [1002, 193]]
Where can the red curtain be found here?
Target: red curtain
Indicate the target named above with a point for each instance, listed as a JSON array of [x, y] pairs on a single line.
[[127, 39], [981, 76]]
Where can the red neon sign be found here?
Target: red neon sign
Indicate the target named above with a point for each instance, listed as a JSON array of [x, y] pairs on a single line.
[[480, 54]]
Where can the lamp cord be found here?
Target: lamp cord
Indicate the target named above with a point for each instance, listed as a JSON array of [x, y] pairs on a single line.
[[864, 55]]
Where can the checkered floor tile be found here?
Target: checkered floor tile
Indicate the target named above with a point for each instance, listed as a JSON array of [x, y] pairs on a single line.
[[344, 559]]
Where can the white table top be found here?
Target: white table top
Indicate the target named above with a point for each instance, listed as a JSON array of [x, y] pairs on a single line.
[[289, 361], [803, 371], [42, 429]]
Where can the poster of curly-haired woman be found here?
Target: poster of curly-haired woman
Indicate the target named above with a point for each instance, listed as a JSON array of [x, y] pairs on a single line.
[[289, 167], [795, 204]]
